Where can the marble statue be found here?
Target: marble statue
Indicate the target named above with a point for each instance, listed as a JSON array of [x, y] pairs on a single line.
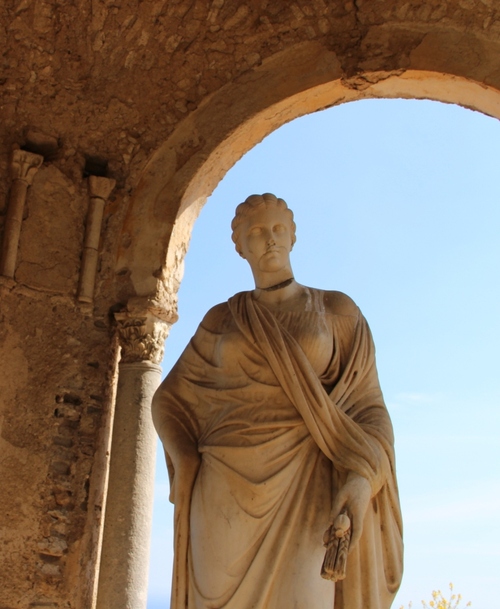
[[275, 431]]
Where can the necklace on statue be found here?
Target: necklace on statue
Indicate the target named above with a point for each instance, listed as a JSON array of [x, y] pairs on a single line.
[[278, 286]]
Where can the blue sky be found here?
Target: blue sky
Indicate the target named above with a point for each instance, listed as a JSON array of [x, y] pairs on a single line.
[[397, 203]]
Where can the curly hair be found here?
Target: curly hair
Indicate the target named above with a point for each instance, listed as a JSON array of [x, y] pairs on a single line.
[[254, 203]]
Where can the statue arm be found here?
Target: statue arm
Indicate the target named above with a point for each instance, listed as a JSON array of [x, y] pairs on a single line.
[[359, 395], [178, 404], [365, 406], [176, 421], [177, 432]]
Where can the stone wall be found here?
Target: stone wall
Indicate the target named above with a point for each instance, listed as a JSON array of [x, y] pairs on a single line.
[[55, 388], [161, 96]]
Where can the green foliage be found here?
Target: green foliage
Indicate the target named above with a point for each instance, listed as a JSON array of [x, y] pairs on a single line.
[[440, 602]]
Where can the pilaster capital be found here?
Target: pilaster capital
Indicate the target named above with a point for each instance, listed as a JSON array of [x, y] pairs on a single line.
[[142, 330], [100, 187], [24, 165]]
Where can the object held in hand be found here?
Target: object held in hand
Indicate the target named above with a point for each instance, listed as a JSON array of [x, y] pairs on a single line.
[[336, 541]]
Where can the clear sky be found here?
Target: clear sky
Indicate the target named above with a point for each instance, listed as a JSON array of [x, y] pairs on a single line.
[[397, 204]]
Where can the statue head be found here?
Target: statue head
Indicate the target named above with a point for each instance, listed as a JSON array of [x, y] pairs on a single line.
[[255, 203]]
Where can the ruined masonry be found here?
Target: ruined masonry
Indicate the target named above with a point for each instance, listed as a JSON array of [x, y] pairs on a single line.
[[117, 121]]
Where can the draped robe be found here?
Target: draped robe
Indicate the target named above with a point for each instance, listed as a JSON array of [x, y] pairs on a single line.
[[262, 418]]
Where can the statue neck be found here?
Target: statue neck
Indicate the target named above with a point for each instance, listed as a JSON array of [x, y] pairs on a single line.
[[278, 293]]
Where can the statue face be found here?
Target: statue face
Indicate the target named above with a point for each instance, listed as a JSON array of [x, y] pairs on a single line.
[[266, 239]]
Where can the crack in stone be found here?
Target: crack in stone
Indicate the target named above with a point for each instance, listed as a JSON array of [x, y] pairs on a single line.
[[361, 82]]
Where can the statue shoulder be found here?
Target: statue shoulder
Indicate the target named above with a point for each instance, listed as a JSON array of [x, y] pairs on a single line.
[[338, 303], [218, 318]]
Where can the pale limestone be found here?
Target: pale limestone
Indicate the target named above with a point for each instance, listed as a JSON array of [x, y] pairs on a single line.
[[124, 567], [100, 188], [168, 95], [24, 166], [274, 429]]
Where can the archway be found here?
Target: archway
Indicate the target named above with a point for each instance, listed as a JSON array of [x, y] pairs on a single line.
[[199, 81], [332, 280], [305, 78]]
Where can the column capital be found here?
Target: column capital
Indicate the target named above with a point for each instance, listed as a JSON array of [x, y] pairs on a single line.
[[24, 165], [141, 336], [100, 187]]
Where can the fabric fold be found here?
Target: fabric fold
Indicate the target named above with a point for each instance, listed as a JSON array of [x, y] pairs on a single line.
[[262, 420]]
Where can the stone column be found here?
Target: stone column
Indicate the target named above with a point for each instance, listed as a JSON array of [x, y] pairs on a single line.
[[24, 166], [123, 576], [100, 188]]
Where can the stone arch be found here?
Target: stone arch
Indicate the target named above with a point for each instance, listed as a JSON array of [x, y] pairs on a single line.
[[196, 262], [390, 55], [98, 88], [306, 78]]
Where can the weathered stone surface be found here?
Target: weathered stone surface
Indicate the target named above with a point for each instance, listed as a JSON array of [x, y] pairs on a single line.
[[274, 446], [53, 401], [52, 235], [163, 97]]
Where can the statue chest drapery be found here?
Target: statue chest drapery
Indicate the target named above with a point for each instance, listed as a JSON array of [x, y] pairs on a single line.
[[260, 500], [263, 493]]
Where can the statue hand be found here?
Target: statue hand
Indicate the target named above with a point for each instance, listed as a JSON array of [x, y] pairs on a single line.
[[353, 498]]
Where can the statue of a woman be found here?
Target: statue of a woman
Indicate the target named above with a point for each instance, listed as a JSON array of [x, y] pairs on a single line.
[[273, 424]]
